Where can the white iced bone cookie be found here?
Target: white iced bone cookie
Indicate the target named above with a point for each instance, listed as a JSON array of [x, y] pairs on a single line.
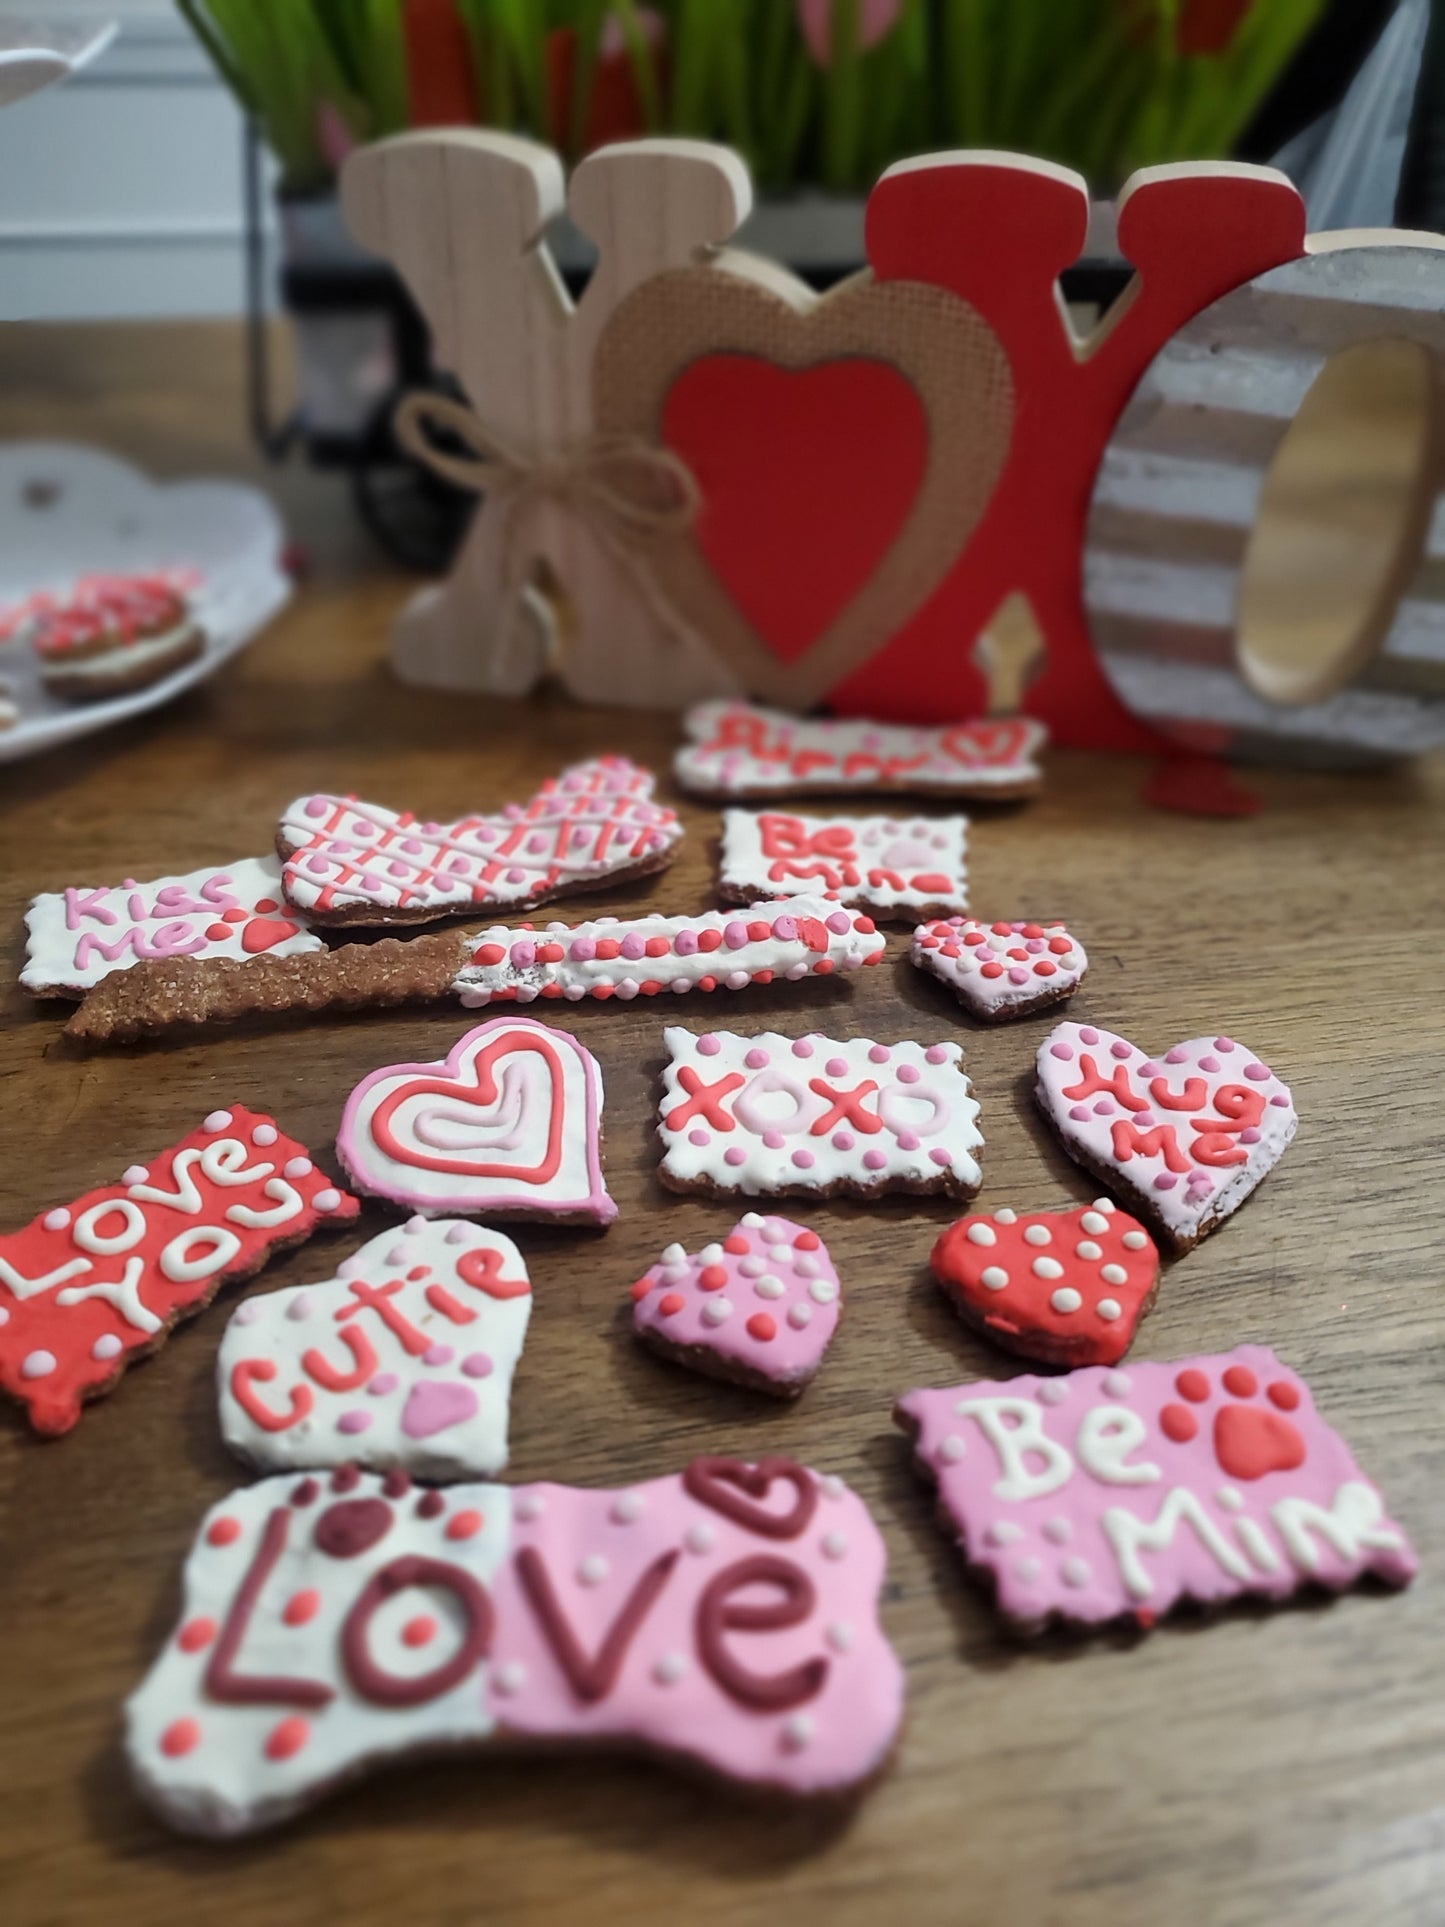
[[404, 1358], [894, 866]]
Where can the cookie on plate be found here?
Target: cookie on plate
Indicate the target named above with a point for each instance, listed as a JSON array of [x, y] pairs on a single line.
[[109, 634]]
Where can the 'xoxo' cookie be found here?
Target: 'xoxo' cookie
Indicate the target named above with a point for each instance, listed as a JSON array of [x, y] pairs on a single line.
[[896, 868], [509, 1123], [759, 1309], [1066, 1286], [1110, 1492], [816, 1116], [352, 862], [404, 1358], [1001, 970], [727, 1617], [88, 1288]]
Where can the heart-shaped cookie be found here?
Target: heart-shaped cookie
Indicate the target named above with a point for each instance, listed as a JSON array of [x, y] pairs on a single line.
[[1187, 1135], [1068, 1287], [510, 1123], [759, 1309], [1000, 970]]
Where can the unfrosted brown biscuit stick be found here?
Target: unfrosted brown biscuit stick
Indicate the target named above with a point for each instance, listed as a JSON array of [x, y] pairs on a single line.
[[174, 993]]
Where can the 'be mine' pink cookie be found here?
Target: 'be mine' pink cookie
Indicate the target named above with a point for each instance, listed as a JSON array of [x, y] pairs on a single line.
[[759, 1309], [509, 1123], [726, 1617], [895, 867], [1187, 1135], [1001, 970], [1108, 1493], [404, 1358]]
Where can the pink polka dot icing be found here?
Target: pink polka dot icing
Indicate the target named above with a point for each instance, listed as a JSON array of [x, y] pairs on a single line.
[[895, 868], [1000, 970]]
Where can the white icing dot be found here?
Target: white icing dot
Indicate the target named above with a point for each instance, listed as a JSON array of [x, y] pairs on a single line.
[[1066, 1299], [297, 1167], [1047, 1268], [458, 1234], [822, 1291], [510, 1677], [4, 1316], [247, 1313], [798, 1731], [414, 1226], [1094, 1222], [676, 1274], [37, 1364], [831, 1486], [1106, 1205], [717, 1311], [1058, 1531], [840, 1636], [397, 1255], [1075, 1571], [1087, 1249], [1108, 1309], [1118, 1384], [300, 1307], [627, 1507], [982, 1234], [593, 1570], [699, 1538], [134, 1174], [669, 1669], [1027, 1569], [1114, 1275], [1003, 1532], [217, 1121], [994, 1277], [780, 1254], [951, 1448], [674, 1255], [1006, 1216], [709, 1255], [264, 1134], [806, 1266], [1135, 1240], [326, 1200], [769, 1286], [530, 1505], [57, 1219], [800, 1315], [752, 1220], [1053, 1391], [106, 1346], [1038, 1234], [1230, 1499], [834, 1545]]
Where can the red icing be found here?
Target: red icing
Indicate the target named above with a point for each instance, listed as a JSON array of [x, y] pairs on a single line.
[[1283, 1394], [223, 1681], [590, 1675], [1250, 1442], [370, 1678], [1178, 1423], [1193, 1385], [196, 1635], [847, 1107], [464, 1525], [180, 1737], [718, 1614], [703, 1100], [287, 1737], [738, 1491], [483, 1091], [482, 1266]]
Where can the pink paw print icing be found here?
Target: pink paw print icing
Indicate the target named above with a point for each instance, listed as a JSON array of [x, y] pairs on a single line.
[[760, 1308], [1108, 1492]]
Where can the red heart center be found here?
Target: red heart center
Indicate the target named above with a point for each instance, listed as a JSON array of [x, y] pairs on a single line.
[[484, 1094], [1248, 1443], [807, 477]]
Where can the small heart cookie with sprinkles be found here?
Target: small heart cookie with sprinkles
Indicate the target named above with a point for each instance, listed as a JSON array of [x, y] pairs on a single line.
[[1001, 970], [759, 1309], [1188, 1135], [1067, 1287]]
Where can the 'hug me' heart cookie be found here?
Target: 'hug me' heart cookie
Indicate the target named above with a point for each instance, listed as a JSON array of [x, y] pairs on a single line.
[[726, 1617], [404, 1358], [1114, 1492], [1000, 970], [759, 1309], [1188, 1135], [509, 1123], [1069, 1287]]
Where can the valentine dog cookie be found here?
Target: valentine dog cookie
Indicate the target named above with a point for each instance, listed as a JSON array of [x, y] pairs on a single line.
[[759, 1309], [1188, 1134], [1109, 1493], [895, 866], [1001, 970], [508, 1123], [352, 862], [1066, 1286], [404, 1358], [715, 950], [88, 1288], [816, 1116], [726, 1618], [107, 635], [738, 750], [233, 910]]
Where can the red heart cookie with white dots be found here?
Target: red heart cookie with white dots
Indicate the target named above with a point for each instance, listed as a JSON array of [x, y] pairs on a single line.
[[1069, 1287]]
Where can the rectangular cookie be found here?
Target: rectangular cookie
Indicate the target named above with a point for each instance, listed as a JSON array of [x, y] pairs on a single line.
[[898, 868]]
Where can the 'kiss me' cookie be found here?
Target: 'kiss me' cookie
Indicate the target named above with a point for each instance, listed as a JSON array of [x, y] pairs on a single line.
[[727, 1617], [1066, 1286], [816, 1116], [1001, 970], [509, 1123], [404, 1358], [879, 863], [88, 1288], [759, 1309], [1109, 1493], [352, 862], [1189, 1135]]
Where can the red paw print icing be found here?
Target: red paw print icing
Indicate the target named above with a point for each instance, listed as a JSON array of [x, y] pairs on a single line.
[[1250, 1440], [259, 928], [1066, 1286]]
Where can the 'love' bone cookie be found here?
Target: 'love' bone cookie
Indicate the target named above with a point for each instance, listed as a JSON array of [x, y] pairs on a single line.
[[716, 950], [895, 867], [510, 1122], [1109, 1492], [1189, 1135], [1066, 1286], [726, 1616], [352, 862], [1001, 970], [759, 1309], [88, 1288], [404, 1358], [816, 1116]]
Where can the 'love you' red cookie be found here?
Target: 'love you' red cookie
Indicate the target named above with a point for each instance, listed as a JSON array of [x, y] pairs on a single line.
[[1068, 1287]]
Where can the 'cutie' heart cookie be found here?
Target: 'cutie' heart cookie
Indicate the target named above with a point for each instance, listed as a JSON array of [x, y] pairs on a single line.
[[404, 1358], [1188, 1135], [1001, 970], [727, 1616], [509, 1123], [759, 1309], [1109, 1493], [895, 867], [1066, 1286]]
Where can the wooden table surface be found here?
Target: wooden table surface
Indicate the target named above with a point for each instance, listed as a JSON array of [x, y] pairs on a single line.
[[1274, 1766]]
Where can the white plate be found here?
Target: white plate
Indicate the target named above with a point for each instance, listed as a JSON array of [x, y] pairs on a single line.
[[68, 511]]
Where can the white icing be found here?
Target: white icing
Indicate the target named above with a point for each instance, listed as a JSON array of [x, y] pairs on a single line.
[[1349, 1525], [1017, 1443], [1107, 1435], [290, 1204], [1130, 1535], [885, 864], [123, 1293], [105, 1243], [219, 1247]]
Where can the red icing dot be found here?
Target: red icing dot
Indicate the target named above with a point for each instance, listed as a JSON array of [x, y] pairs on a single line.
[[233, 916], [266, 906], [223, 1531], [649, 986], [712, 1277], [1060, 945], [706, 983], [180, 1737], [1043, 968], [551, 990], [865, 924], [195, 1634], [670, 1303], [709, 939], [287, 1737], [1017, 956], [1032, 930], [549, 953], [491, 953], [974, 937], [991, 970], [1177, 1422], [1283, 1394], [464, 1525], [218, 932], [762, 976], [806, 1241], [1240, 1380], [418, 1271], [736, 1243], [1192, 1385], [416, 1632], [641, 1289], [1001, 929], [608, 948], [655, 947], [823, 967], [759, 931], [302, 1606], [762, 1326]]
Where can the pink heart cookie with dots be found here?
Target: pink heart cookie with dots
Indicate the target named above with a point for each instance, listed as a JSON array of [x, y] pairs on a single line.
[[999, 971], [1187, 1135], [759, 1309]]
